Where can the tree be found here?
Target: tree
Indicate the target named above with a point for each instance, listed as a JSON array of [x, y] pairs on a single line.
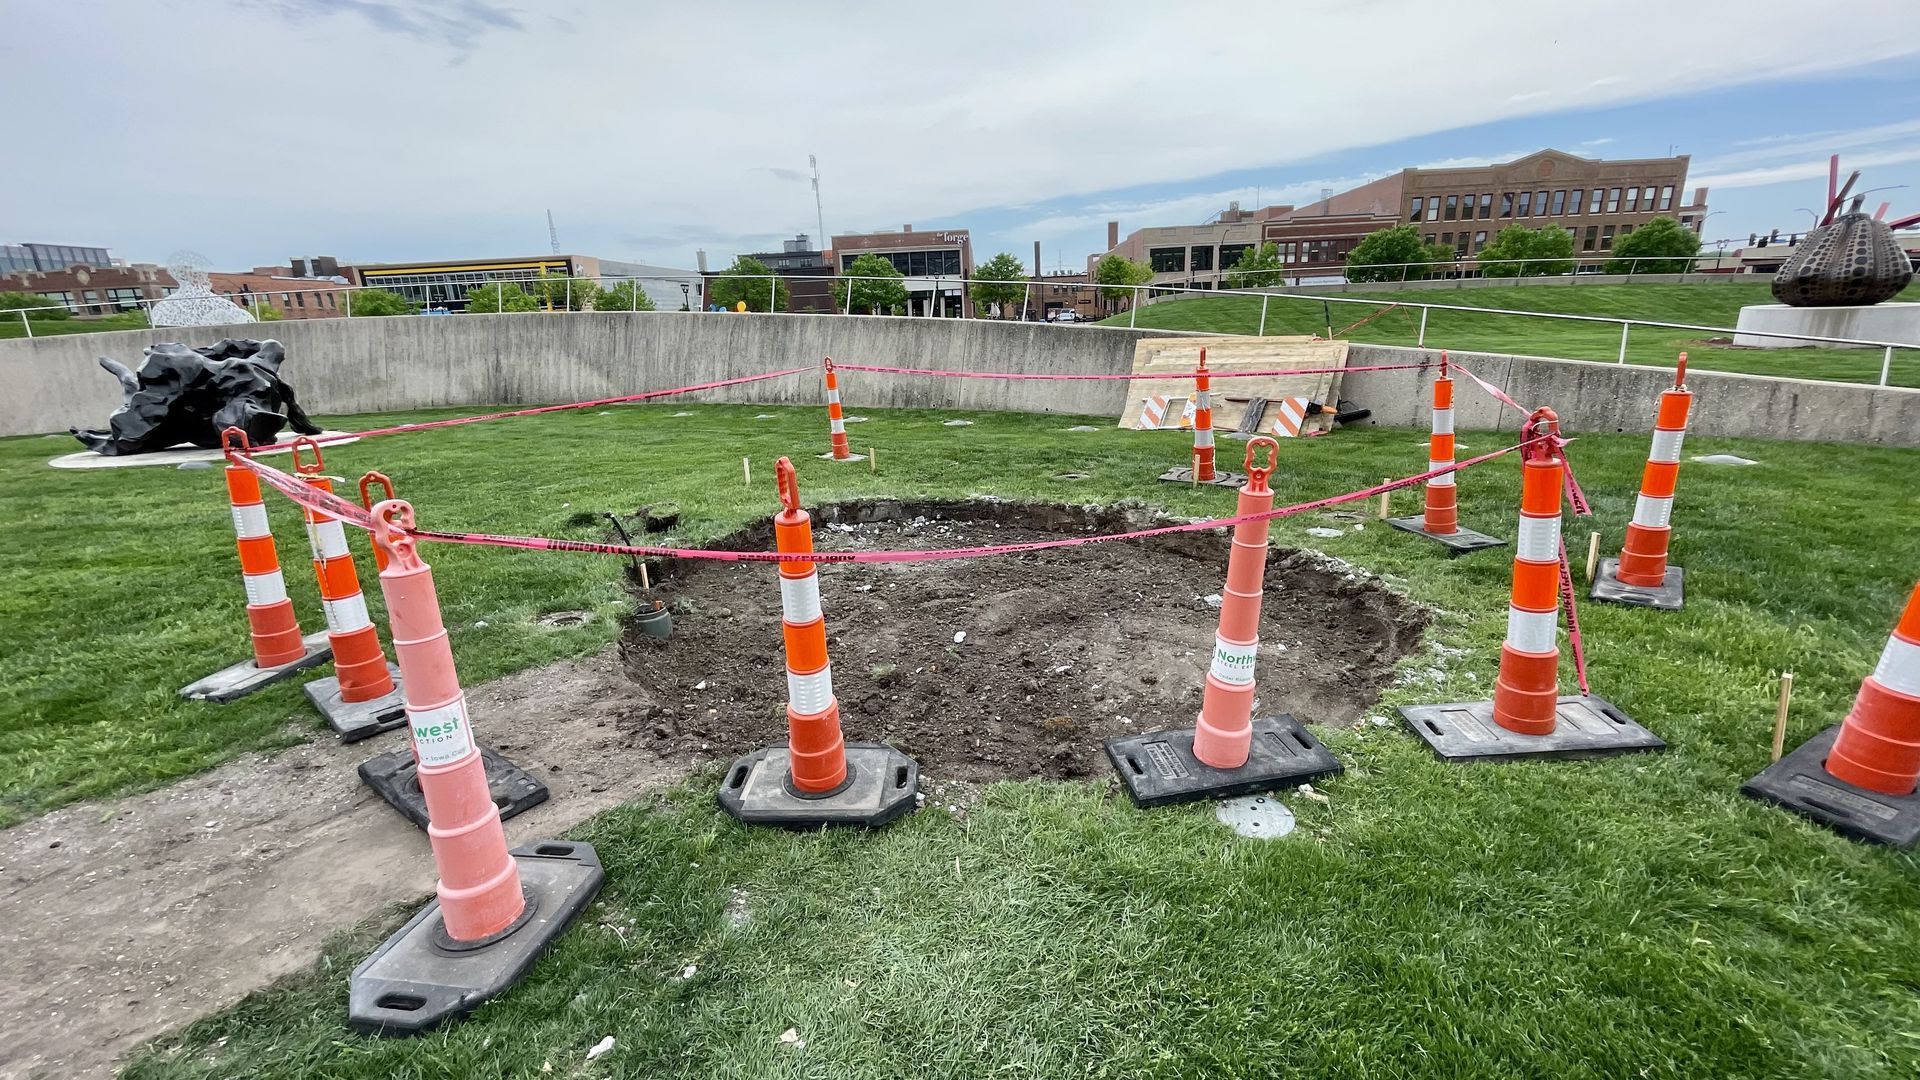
[[379, 302], [556, 292], [1000, 280], [1502, 258], [624, 296], [747, 279], [38, 307], [1379, 256], [1661, 246], [877, 285], [1118, 274], [1257, 266], [499, 296], [266, 313]]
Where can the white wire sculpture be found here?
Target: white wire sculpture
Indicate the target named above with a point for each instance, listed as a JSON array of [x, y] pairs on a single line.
[[193, 303]]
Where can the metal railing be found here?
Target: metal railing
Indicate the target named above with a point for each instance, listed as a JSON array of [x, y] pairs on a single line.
[[939, 287]]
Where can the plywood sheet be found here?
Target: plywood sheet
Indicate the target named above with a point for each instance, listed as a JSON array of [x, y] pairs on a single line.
[[1164, 367]]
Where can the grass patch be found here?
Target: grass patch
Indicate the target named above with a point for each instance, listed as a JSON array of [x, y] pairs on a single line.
[[1631, 917], [93, 324], [1699, 305]]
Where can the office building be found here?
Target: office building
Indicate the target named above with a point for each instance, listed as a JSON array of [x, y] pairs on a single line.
[[934, 264], [444, 283], [19, 258], [89, 290], [805, 269], [1193, 256]]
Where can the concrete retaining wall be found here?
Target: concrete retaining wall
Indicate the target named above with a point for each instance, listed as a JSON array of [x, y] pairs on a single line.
[[374, 365]]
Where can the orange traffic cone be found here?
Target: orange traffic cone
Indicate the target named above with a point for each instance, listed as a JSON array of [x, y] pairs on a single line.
[[279, 649], [836, 420], [495, 911], [1440, 520], [815, 778], [1527, 716], [1641, 575], [1201, 471], [360, 699], [1860, 776], [1227, 752]]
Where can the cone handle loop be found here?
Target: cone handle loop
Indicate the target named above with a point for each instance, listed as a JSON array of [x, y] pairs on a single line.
[[788, 484], [366, 485], [1542, 435], [230, 447], [392, 527], [305, 442], [829, 365], [1443, 363], [1257, 474], [1680, 373]]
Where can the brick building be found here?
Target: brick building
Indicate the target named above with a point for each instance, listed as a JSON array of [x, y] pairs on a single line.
[[93, 290], [303, 289], [935, 264], [1193, 256], [805, 269]]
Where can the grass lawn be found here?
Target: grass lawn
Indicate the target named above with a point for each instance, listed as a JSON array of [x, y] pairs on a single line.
[[126, 320], [1699, 305], [1628, 917]]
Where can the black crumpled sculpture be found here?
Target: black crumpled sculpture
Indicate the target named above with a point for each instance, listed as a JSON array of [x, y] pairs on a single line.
[[1853, 261], [192, 395]]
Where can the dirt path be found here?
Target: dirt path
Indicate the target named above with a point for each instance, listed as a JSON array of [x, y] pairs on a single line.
[[122, 920]]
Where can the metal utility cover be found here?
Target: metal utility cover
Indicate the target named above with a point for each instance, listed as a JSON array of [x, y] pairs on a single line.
[[1220, 479], [1586, 727], [239, 680], [1158, 767], [1459, 542], [1256, 817], [1669, 595], [1801, 783], [396, 778], [881, 785]]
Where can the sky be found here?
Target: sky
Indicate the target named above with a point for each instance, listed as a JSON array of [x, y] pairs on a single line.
[[251, 131]]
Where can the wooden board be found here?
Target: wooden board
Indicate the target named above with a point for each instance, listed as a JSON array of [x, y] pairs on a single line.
[[1165, 366]]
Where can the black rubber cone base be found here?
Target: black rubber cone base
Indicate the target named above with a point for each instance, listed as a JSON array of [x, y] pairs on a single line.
[[1801, 783], [395, 777], [419, 978], [1669, 595], [1220, 479], [356, 720], [1459, 541], [881, 785], [1587, 727], [1158, 767], [239, 680]]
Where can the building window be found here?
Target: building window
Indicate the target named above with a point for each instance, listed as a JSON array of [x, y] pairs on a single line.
[[328, 297], [1606, 238], [1230, 254], [1646, 200], [1633, 201], [1486, 207], [1479, 241], [1446, 238], [1573, 204], [1560, 203], [1613, 200], [1540, 204], [65, 298], [1168, 260], [300, 299], [1626, 230], [1526, 204], [1202, 258], [1460, 249], [1419, 203], [1666, 198], [1433, 208], [1453, 208], [1429, 238], [1594, 206], [1593, 237]]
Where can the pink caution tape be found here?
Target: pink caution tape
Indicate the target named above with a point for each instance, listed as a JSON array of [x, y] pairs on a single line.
[[1573, 620], [838, 365], [1495, 392], [355, 515], [537, 410]]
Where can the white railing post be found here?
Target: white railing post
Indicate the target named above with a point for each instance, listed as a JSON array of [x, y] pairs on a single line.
[[849, 296], [1886, 365], [634, 300], [1026, 295], [28, 325], [349, 303], [1624, 328], [1133, 309], [1421, 342], [1264, 297]]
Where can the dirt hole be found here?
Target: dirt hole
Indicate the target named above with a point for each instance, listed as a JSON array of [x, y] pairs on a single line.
[[1062, 648], [563, 619]]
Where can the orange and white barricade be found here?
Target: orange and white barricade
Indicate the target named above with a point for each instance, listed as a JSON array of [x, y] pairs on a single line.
[[279, 649], [1440, 519], [361, 698], [1860, 775], [1228, 751], [1290, 416], [1641, 575], [1527, 716], [837, 420], [816, 777], [494, 910]]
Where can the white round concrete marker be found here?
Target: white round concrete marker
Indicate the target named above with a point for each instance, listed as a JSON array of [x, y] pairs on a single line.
[[1259, 817]]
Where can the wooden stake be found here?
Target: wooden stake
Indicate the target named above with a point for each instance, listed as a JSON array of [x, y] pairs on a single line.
[[1593, 556], [1386, 498], [1193, 478], [1780, 715], [646, 583], [873, 460], [746, 469]]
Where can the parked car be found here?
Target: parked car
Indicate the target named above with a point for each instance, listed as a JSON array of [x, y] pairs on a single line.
[[1064, 316]]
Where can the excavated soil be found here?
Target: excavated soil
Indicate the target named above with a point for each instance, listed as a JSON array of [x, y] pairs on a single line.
[[1061, 648]]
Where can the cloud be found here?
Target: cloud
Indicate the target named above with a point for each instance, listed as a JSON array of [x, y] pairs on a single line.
[[1780, 159], [458, 24]]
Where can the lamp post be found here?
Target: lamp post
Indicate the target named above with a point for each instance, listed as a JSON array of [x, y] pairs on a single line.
[[686, 296]]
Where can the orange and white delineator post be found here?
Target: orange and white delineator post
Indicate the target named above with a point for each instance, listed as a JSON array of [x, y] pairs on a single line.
[[279, 648], [358, 660], [1203, 422], [479, 886], [1223, 735], [494, 910], [1442, 514], [1527, 692], [1878, 747], [1643, 556], [836, 420], [816, 752]]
